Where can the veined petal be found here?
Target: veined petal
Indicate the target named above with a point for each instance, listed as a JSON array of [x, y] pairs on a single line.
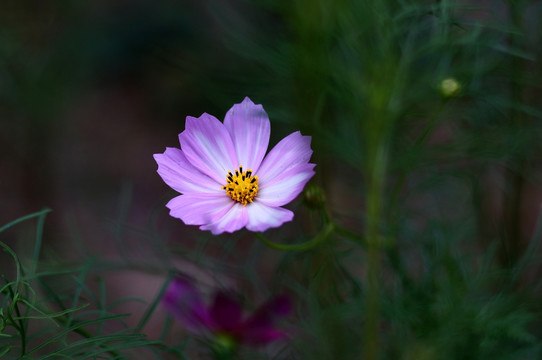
[[286, 186], [208, 146], [226, 313], [262, 217], [199, 209], [180, 175], [235, 219], [184, 302], [291, 151], [249, 127]]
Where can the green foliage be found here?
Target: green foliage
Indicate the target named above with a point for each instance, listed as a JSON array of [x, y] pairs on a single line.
[[38, 322]]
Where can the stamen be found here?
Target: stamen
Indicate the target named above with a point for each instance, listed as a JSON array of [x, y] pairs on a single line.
[[241, 187]]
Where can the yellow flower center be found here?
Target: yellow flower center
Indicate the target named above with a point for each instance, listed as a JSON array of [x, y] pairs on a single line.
[[241, 186]]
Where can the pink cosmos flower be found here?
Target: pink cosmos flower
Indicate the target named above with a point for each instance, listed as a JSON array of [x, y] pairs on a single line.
[[223, 320], [225, 179]]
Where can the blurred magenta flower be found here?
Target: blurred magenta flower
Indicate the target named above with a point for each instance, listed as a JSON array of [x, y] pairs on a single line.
[[223, 321], [225, 181]]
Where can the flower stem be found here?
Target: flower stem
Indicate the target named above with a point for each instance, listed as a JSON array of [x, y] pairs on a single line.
[[319, 238], [376, 180]]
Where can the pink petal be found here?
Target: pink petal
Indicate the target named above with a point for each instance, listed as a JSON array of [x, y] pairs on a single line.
[[235, 219], [262, 217], [209, 147], [184, 302], [199, 209], [181, 176], [286, 186], [265, 315], [261, 337], [292, 151], [249, 127], [259, 328], [226, 313]]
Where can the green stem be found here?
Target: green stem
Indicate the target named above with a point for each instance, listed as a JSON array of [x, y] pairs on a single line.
[[319, 238], [377, 175]]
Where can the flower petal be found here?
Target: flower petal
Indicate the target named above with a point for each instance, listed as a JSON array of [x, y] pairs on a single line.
[[226, 313], [199, 209], [286, 186], [291, 151], [259, 328], [235, 219], [184, 302], [249, 127], [180, 175], [262, 217], [208, 146], [261, 337]]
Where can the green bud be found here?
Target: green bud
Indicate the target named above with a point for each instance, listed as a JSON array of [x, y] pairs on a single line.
[[450, 87], [314, 197]]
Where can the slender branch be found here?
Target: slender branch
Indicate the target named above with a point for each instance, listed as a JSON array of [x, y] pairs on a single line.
[[319, 238]]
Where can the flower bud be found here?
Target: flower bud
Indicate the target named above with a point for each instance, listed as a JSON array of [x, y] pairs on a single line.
[[450, 87], [314, 197]]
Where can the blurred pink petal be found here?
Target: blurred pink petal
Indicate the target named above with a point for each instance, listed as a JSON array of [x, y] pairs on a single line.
[[226, 313], [224, 317], [184, 302]]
